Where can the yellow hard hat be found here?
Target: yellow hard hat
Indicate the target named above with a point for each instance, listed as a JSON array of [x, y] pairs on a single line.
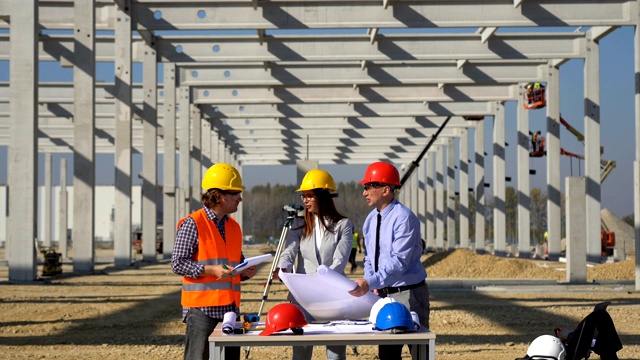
[[222, 176], [317, 179]]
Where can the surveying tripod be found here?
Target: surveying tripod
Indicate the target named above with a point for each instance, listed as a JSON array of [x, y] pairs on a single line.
[[293, 211]]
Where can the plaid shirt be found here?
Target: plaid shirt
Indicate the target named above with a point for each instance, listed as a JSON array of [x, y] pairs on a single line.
[[182, 263]]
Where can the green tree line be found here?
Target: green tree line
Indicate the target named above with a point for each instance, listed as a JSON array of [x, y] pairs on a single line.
[[263, 213]]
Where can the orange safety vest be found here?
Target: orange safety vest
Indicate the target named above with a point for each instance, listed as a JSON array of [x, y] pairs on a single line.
[[208, 291]]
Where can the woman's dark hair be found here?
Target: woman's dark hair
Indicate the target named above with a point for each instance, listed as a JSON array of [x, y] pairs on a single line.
[[326, 211]]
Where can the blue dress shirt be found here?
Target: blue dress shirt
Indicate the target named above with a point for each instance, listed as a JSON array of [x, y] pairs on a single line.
[[400, 248]]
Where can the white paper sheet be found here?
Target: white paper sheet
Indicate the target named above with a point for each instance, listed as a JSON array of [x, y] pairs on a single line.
[[325, 295], [248, 262]]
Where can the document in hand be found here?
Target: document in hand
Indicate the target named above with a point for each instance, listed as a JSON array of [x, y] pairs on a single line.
[[248, 262]]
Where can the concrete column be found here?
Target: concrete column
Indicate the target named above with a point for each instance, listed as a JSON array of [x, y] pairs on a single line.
[[122, 241], [84, 162], [150, 148], [222, 149], [4, 214], [499, 211], [228, 153], [430, 236], [636, 200], [430, 205], [184, 146], [63, 210], [440, 199], [215, 144], [207, 147], [553, 162], [592, 148], [636, 163], [575, 208], [239, 215], [464, 188], [422, 198], [451, 194], [46, 203], [23, 154], [413, 195], [196, 158], [405, 195], [479, 188], [524, 186], [169, 220]]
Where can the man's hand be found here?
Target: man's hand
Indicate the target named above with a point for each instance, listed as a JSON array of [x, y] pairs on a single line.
[[362, 287], [249, 272], [219, 271]]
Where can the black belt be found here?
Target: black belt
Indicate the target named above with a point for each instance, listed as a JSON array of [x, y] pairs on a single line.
[[396, 289]]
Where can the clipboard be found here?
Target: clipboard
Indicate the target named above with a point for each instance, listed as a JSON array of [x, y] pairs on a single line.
[[248, 262]]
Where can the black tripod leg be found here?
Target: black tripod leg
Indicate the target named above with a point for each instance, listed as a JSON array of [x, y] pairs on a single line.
[[283, 239]]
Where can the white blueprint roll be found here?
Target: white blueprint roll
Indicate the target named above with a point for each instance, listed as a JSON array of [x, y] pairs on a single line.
[[325, 295], [229, 322]]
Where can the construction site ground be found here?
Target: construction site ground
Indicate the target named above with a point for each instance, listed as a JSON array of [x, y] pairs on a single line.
[[482, 307]]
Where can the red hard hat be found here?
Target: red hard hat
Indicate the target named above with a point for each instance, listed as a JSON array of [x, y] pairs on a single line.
[[282, 317], [381, 172]]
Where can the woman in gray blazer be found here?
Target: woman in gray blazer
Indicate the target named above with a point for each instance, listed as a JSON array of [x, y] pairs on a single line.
[[322, 237]]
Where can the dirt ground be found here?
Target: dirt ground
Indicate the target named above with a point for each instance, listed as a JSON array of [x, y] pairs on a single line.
[[135, 313]]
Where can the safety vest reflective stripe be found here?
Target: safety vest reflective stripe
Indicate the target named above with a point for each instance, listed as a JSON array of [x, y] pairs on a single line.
[[208, 286]]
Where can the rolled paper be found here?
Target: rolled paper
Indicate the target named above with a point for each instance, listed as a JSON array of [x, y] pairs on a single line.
[[325, 295], [229, 322]]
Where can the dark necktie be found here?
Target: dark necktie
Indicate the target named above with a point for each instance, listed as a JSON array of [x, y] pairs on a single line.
[[377, 242]]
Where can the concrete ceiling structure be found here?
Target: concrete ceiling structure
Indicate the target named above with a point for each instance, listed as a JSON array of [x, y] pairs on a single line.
[[271, 71]]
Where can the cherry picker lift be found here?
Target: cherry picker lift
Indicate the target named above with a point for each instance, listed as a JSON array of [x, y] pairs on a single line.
[[607, 237]]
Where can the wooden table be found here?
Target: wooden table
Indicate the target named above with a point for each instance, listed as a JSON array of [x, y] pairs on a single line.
[[425, 341]]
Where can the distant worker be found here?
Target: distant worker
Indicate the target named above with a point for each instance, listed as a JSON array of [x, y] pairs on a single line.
[[528, 89], [208, 245], [537, 91], [535, 141], [545, 242], [534, 95], [354, 249]]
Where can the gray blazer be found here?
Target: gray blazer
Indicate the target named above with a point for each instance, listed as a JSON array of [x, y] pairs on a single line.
[[334, 250]]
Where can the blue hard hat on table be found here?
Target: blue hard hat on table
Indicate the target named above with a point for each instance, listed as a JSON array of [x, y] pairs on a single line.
[[394, 316]]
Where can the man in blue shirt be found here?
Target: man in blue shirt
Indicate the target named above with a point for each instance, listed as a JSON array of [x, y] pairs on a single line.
[[393, 248]]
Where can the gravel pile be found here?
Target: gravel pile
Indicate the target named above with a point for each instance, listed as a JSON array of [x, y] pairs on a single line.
[[466, 264]]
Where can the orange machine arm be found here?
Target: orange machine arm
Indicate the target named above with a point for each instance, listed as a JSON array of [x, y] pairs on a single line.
[[606, 165], [572, 130]]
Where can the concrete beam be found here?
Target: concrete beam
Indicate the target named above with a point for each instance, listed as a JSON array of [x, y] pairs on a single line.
[[232, 14], [284, 48]]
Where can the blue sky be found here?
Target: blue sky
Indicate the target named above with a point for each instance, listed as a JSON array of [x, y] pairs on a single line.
[[617, 121]]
